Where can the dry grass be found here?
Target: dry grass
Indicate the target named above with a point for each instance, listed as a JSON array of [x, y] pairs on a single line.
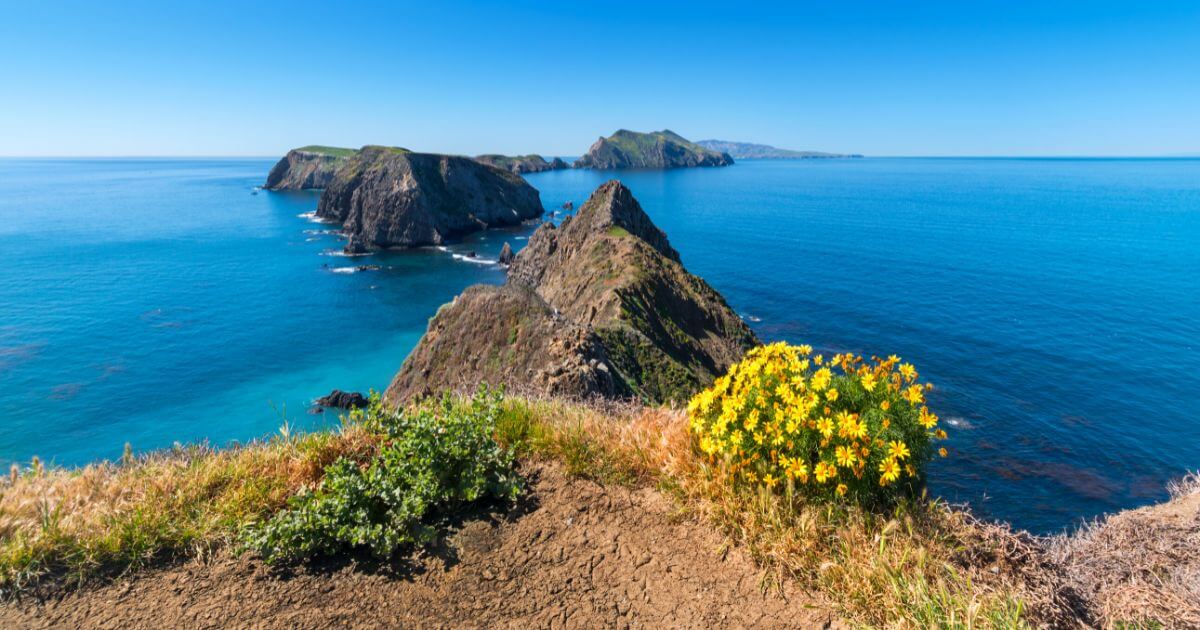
[[66, 526], [1140, 568], [923, 565]]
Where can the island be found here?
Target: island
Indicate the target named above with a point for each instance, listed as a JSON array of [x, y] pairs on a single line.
[[388, 197], [600, 306], [751, 151], [522, 163], [657, 149]]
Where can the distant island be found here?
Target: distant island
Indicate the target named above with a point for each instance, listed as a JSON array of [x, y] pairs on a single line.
[[657, 149], [751, 151], [522, 163]]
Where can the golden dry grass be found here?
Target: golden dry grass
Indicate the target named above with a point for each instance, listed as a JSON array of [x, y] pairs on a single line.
[[1140, 568], [65, 526], [924, 565]]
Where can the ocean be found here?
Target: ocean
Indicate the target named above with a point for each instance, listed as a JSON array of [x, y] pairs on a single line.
[[1055, 304]]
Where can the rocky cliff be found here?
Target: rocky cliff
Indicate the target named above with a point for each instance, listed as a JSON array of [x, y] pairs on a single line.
[[522, 163], [386, 197], [307, 167], [657, 149], [600, 306]]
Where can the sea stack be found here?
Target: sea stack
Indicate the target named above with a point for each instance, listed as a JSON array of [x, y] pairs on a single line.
[[506, 254], [387, 197], [600, 306], [657, 149]]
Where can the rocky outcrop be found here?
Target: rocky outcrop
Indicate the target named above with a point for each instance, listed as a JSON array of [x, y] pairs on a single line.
[[600, 306], [522, 163], [343, 400], [307, 167], [657, 149], [751, 151], [385, 197], [506, 255]]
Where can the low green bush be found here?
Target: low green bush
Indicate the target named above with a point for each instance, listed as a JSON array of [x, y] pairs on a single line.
[[434, 459]]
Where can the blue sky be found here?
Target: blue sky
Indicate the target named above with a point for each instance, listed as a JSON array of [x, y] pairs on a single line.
[[880, 78]]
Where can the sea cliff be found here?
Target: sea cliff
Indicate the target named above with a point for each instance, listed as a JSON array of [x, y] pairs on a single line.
[[307, 167], [386, 197]]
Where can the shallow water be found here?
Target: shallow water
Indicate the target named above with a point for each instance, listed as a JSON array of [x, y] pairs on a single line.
[[1053, 302]]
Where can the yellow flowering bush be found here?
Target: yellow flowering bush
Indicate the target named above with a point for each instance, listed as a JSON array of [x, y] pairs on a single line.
[[836, 428]]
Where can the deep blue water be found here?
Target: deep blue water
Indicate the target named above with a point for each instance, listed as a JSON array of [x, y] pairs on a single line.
[[1054, 303]]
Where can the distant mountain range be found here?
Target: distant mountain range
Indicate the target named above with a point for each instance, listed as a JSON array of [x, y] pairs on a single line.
[[750, 151]]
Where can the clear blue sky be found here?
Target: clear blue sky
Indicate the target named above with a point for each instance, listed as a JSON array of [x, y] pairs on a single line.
[[885, 78]]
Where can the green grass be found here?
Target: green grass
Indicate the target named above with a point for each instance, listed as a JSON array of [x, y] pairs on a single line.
[[323, 150]]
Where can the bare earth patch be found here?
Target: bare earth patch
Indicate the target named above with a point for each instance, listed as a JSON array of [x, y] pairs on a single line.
[[573, 553]]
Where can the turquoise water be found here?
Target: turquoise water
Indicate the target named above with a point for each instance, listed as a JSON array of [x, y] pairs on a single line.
[[1053, 302]]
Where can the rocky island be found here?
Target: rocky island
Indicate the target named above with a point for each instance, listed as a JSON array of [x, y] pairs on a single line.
[[751, 151], [522, 163], [657, 149], [599, 306], [387, 197], [307, 167]]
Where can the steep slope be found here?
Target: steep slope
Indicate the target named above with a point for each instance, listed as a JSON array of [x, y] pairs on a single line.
[[751, 151], [386, 197], [604, 294], [307, 167], [522, 163], [657, 149]]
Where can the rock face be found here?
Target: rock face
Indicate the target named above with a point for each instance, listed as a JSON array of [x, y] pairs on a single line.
[[750, 151], [657, 149], [522, 163], [343, 400], [600, 306], [307, 167], [506, 254], [386, 197]]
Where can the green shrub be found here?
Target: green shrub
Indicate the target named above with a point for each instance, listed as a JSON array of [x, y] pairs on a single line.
[[434, 459]]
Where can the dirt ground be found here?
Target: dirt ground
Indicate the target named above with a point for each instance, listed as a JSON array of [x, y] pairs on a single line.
[[572, 554]]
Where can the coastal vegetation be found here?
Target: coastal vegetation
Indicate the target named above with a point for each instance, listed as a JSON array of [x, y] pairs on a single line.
[[916, 562]]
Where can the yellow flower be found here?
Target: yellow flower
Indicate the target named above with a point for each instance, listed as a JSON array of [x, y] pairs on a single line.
[[831, 395], [846, 456], [825, 472], [818, 359], [859, 431], [842, 489], [927, 419], [915, 394], [804, 349], [942, 451], [897, 449], [908, 371], [868, 381], [770, 480], [890, 471], [885, 405], [939, 434], [825, 426]]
